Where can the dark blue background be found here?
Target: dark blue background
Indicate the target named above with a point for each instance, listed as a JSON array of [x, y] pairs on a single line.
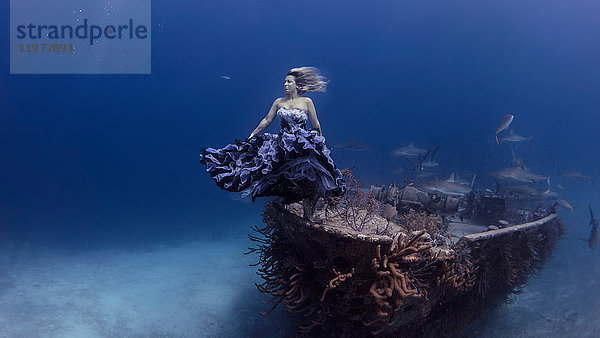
[[92, 160]]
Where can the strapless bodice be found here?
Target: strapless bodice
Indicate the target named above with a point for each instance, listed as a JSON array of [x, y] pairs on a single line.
[[292, 118]]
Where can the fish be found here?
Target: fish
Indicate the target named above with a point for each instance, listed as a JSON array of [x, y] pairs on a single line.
[[521, 189], [519, 175], [409, 151], [593, 240], [559, 186], [503, 125], [429, 161], [525, 192], [511, 137], [567, 205], [578, 176], [225, 77], [461, 177], [448, 187], [351, 144], [426, 161]]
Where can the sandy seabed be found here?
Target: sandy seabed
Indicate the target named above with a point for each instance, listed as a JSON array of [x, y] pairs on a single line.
[[202, 289], [563, 300], [206, 289]]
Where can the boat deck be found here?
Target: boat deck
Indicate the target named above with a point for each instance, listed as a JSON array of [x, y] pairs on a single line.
[[458, 230]]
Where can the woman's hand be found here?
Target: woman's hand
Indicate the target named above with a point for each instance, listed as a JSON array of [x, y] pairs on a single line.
[[266, 121]]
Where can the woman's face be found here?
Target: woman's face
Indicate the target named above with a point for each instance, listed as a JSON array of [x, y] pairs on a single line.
[[290, 85]]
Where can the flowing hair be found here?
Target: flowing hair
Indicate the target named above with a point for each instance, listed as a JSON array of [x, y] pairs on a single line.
[[308, 79]]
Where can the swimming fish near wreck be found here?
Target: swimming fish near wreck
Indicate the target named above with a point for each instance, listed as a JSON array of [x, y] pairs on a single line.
[[566, 205], [503, 125], [511, 137], [593, 240], [576, 175], [519, 175], [448, 187], [409, 151], [525, 192], [429, 161]]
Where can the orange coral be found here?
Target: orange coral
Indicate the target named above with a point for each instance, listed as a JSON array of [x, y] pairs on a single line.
[[394, 285], [336, 281]]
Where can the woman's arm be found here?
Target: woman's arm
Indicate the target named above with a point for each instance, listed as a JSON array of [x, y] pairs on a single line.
[[267, 120], [312, 115]]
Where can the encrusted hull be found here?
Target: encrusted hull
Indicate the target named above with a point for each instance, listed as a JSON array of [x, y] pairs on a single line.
[[342, 282]]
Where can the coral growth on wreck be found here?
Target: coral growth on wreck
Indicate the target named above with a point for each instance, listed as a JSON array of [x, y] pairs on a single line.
[[416, 221], [394, 285], [355, 208]]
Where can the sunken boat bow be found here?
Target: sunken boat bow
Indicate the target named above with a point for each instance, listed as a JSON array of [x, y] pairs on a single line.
[[339, 281]]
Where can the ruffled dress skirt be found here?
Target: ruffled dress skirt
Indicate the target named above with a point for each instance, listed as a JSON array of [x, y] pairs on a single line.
[[292, 164]]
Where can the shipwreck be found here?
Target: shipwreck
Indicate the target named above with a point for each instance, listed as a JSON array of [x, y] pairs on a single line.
[[390, 261]]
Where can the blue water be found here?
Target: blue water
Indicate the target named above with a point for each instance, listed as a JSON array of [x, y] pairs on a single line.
[[106, 165]]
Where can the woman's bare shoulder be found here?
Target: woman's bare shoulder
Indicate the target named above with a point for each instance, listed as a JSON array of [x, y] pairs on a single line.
[[306, 99], [309, 102]]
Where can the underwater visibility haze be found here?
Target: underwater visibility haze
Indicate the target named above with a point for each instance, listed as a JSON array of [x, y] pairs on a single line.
[[110, 226]]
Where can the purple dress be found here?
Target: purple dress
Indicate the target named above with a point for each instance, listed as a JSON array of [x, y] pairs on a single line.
[[293, 164]]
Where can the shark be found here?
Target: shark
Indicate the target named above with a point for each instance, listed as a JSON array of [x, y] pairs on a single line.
[[565, 204], [448, 187], [576, 175], [409, 151], [426, 160], [593, 240], [519, 175], [511, 137], [525, 192], [351, 144], [429, 161]]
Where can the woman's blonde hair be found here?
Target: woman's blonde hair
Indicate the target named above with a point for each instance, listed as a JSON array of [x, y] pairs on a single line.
[[308, 79]]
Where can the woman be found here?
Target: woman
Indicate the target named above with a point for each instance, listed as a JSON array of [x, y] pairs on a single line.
[[294, 164]]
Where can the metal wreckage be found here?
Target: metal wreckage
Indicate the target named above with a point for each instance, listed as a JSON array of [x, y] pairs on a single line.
[[390, 261]]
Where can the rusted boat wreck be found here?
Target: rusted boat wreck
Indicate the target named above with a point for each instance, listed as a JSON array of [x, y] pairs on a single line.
[[393, 261]]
